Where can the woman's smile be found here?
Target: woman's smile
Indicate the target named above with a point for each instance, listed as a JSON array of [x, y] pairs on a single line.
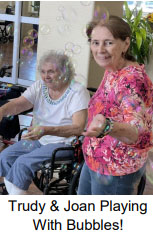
[[107, 51], [103, 57]]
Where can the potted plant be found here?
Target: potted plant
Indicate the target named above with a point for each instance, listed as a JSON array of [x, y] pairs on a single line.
[[142, 34]]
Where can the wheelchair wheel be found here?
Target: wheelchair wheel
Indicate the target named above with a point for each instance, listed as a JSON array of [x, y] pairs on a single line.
[[4, 39], [11, 38], [75, 181], [58, 184], [40, 181]]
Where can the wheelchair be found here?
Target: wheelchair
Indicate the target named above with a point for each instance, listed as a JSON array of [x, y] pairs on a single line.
[[61, 175], [5, 34], [9, 127]]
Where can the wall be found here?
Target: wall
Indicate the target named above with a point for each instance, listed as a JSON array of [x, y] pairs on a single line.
[[62, 28], [95, 72], [63, 24]]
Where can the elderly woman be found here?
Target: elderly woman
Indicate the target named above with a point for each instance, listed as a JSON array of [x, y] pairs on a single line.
[[118, 135], [60, 110]]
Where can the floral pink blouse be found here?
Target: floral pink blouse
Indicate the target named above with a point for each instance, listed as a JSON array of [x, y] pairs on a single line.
[[124, 96]]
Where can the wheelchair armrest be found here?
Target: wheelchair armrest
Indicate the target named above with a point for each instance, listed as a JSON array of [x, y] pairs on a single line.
[[58, 150], [53, 157]]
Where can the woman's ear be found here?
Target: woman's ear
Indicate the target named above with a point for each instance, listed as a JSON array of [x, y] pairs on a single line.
[[127, 44]]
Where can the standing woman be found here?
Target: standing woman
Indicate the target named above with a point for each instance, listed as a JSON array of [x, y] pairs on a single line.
[[118, 135]]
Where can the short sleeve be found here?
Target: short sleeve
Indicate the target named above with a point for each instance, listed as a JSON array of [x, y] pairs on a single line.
[[136, 106], [79, 100], [32, 92]]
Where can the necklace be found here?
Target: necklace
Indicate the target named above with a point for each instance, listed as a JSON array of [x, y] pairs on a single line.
[[54, 102]]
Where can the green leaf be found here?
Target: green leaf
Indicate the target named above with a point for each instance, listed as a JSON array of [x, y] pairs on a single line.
[[138, 39], [137, 18], [143, 33], [127, 11]]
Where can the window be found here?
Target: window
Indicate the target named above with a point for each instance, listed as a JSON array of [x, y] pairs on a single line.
[[35, 7], [146, 6], [131, 4], [19, 24]]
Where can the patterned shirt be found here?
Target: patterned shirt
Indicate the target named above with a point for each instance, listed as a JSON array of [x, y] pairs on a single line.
[[124, 96]]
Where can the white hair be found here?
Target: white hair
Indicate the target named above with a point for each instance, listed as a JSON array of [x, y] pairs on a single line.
[[63, 64]]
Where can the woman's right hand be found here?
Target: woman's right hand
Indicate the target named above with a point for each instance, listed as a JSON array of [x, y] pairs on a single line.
[[34, 133], [96, 126]]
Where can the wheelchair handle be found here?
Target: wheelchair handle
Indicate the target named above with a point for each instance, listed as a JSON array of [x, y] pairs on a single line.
[[3, 70]]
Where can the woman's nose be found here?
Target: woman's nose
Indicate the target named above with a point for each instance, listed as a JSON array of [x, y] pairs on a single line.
[[46, 75], [101, 47]]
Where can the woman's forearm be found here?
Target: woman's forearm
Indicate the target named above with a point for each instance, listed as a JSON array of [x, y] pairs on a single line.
[[64, 131], [15, 106], [124, 132], [9, 108]]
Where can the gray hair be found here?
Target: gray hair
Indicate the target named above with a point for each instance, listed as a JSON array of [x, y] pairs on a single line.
[[62, 61]]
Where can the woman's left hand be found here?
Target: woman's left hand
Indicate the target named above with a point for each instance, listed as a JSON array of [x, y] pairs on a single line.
[[96, 127], [34, 133]]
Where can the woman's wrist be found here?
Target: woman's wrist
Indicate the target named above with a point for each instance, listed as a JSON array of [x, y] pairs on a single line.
[[109, 124]]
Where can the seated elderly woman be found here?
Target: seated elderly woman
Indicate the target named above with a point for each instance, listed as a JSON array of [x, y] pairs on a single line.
[[60, 111]]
